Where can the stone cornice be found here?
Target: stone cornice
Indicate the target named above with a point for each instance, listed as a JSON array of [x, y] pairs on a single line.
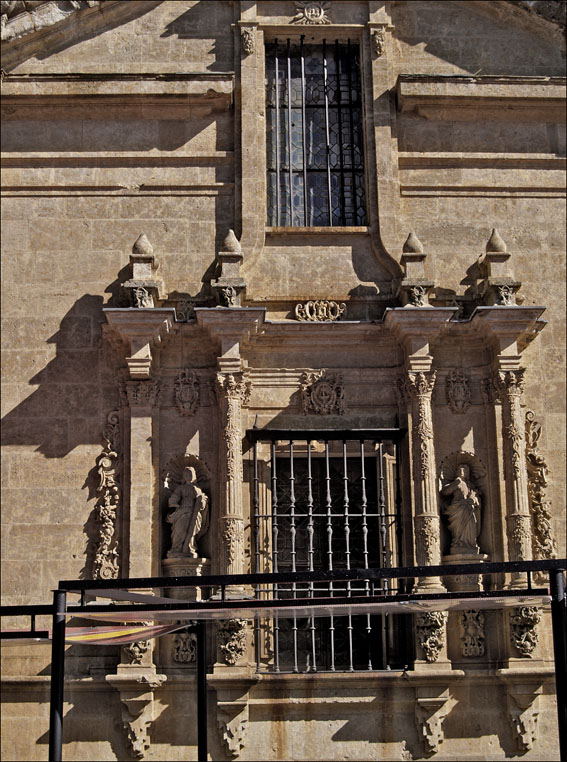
[[141, 330], [230, 327], [509, 329]]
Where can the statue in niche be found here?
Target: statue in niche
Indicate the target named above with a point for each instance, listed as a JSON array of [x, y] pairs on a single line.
[[463, 511], [188, 516]]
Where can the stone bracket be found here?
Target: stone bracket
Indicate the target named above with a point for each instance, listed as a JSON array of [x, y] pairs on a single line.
[[522, 703], [431, 708], [139, 709], [232, 711], [230, 326], [141, 330]]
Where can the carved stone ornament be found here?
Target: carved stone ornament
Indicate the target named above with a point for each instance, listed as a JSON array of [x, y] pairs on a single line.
[[543, 542], [430, 630], [231, 640], [457, 391], [471, 624], [427, 538], [106, 563], [323, 393], [312, 12], [184, 647], [321, 310], [523, 711], [233, 385], [185, 310], [248, 41], [519, 536], [135, 651], [233, 537], [505, 296], [142, 298], [378, 42], [186, 390], [419, 386], [232, 720], [188, 481], [416, 296], [142, 393], [490, 391], [523, 629], [430, 712], [229, 295]]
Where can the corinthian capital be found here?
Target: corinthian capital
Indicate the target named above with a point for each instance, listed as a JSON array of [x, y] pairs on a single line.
[[511, 382], [420, 384], [234, 386]]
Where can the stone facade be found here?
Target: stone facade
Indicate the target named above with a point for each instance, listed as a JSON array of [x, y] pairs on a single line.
[[170, 319]]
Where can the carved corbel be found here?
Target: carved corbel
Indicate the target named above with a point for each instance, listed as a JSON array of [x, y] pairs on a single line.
[[139, 708], [232, 721], [522, 700], [141, 331], [430, 712]]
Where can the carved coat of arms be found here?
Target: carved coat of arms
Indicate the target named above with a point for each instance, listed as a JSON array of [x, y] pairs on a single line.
[[323, 393]]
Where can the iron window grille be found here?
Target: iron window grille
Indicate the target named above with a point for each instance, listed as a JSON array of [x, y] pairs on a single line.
[[328, 502], [315, 168]]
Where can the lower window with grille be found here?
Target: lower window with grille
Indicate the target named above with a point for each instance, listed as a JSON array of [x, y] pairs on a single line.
[[322, 503]]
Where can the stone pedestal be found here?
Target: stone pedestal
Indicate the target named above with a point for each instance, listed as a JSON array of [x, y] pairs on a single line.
[[463, 582], [185, 567]]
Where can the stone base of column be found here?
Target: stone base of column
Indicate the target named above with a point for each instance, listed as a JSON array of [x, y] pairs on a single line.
[[185, 567], [429, 585], [463, 582]]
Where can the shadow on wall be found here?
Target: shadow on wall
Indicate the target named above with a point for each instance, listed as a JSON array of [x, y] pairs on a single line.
[[75, 390], [196, 24]]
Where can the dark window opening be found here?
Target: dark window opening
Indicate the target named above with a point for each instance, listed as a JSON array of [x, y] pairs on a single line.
[[314, 113]]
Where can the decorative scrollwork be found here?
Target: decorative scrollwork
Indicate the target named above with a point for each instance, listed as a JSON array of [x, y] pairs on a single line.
[[184, 647], [232, 640], [106, 563], [321, 310], [543, 542], [523, 629], [430, 627], [135, 651]]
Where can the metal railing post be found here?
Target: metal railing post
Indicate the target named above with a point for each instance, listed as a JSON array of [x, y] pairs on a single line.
[[202, 691], [57, 676], [559, 628]]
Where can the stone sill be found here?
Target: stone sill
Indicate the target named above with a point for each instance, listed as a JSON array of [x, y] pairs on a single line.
[[416, 159], [346, 230]]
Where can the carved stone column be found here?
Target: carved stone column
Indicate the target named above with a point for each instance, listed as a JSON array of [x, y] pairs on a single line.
[[518, 520], [232, 391], [419, 387]]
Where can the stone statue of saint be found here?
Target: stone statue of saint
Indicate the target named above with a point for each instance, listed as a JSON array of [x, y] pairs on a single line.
[[188, 516], [463, 512]]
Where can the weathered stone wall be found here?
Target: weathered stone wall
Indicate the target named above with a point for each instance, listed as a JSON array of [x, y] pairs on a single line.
[[123, 118]]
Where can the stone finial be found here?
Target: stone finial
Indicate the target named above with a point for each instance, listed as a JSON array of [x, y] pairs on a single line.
[[231, 242], [495, 243], [142, 247], [499, 287], [414, 288], [412, 245], [144, 289]]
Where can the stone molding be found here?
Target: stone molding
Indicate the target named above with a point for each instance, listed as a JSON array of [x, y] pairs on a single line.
[[141, 330]]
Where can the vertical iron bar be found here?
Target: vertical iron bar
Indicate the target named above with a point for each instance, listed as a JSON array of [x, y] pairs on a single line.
[[310, 532], [256, 506], [351, 126], [289, 133], [278, 189], [384, 551], [202, 691], [346, 504], [303, 131], [57, 676], [328, 504], [327, 141], [340, 128], [275, 532], [365, 549], [399, 529], [559, 629], [293, 551]]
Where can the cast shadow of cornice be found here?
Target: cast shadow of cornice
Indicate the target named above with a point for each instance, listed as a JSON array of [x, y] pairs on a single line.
[[196, 24], [75, 390]]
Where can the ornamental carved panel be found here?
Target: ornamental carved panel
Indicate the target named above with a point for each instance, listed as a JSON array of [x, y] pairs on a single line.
[[322, 393]]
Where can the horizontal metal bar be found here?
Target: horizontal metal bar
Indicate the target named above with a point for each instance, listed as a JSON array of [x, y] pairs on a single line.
[[29, 609], [354, 435], [217, 580]]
